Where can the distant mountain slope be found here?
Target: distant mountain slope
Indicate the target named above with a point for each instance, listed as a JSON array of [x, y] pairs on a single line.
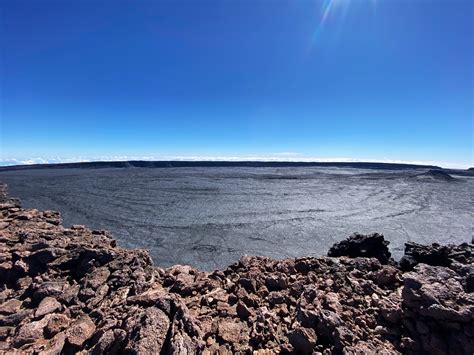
[[435, 175], [180, 164], [467, 172]]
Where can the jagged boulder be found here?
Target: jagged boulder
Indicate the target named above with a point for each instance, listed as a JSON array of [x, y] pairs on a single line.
[[360, 245], [436, 255], [438, 313]]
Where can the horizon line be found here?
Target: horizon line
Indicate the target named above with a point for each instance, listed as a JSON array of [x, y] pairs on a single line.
[[38, 162]]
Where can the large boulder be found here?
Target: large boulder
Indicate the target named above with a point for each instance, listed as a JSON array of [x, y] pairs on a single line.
[[360, 245], [435, 255], [437, 312]]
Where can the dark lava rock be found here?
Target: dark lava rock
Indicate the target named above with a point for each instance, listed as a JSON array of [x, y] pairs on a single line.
[[407, 263], [359, 245], [435, 254]]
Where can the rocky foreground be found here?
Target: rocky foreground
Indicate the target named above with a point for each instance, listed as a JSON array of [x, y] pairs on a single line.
[[68, 290]]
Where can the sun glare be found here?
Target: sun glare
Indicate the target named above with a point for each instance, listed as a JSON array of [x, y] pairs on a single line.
[[335, 8]]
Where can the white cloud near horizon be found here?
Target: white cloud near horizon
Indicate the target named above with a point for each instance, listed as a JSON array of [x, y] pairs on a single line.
[[283, 157]]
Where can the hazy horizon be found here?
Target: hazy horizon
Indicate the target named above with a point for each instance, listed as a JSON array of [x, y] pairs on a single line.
[[284, 157]]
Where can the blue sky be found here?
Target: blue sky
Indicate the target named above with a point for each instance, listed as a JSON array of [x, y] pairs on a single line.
[[388, 80]]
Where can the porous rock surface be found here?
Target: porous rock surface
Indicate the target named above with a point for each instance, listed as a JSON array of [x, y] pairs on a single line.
[[359, 245], [72, 290]]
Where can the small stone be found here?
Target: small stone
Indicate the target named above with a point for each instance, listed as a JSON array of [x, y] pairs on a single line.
[[242, 311], [26, 215], [11, 306], [56, 324], [152, 331], [78, 227], [332, 301], [97, 278], [303, 340], [14, 319], [46, 306], [104, 342], [387, 275], [408, 344], [379, 329], [81, 330], [30, 332], [249, 284], [5, 332], [210, 341], [55, 345], [230, 331], [276, 282]]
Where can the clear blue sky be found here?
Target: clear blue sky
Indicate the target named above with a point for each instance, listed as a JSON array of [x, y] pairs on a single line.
[[357, 79]]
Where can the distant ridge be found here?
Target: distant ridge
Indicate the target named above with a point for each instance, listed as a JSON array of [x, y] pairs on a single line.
[[436, 174], [184, 164]]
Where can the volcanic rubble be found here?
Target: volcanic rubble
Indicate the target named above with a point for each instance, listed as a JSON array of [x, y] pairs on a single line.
[[72, 290]]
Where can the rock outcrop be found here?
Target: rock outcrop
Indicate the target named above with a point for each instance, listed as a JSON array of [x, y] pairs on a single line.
[[359, 245], [68, 290], [434, 254]]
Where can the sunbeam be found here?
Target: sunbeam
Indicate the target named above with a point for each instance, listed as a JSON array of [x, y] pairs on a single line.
[[327, 7], [334, 8]]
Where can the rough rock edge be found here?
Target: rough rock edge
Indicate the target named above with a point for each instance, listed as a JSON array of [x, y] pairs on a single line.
[[68, 290]]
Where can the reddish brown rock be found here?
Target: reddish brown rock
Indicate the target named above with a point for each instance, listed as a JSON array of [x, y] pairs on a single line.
[[11, 306], [230, 331], [152, 331], [30, 332], [56, 324], [54, 346], [303, 340], [80, 331], [47, 305]]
